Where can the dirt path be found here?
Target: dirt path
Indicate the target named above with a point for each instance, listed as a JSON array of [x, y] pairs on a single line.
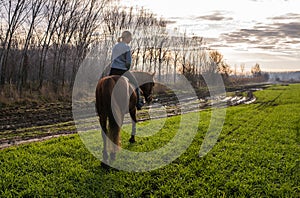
[[33, 123]]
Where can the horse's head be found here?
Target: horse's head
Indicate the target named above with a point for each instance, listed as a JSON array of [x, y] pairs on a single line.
[[147, 90], [146, 81]]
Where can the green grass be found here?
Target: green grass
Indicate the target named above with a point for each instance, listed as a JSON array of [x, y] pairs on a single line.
[[257, 155]]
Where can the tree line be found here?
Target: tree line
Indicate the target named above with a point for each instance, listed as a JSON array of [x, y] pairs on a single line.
[[45, 41]]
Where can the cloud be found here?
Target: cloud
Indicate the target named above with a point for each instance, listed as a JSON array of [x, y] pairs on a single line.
[[288, 16], [215, 16], [275, 35], [291, 30], [176, 18], [265, 0], [170, 21]]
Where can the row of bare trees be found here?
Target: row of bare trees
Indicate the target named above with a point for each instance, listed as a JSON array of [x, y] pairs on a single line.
[[42, 40], [45, 41]]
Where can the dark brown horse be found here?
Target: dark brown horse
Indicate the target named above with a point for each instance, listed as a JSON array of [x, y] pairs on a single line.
[[115, 97]]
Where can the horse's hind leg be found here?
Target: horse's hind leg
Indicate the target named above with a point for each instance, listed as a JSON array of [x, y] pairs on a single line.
[[115, 141], [103, 120], [133, 121]]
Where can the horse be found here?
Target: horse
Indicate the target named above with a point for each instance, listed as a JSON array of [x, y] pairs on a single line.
[[115, 97]]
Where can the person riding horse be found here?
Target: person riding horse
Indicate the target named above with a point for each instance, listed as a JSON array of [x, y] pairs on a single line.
[[121, 62]]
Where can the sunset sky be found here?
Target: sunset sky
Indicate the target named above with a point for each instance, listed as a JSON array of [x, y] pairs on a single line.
[[245, 32]]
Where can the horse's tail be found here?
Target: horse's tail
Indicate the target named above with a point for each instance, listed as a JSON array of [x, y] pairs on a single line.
[[103, 96], [118, 107], [114, 134], [99, 95]]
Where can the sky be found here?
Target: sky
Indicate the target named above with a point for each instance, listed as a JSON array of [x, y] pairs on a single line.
[[246, 32]]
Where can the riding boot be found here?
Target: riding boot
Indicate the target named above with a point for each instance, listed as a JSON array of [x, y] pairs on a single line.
[[139, 103]]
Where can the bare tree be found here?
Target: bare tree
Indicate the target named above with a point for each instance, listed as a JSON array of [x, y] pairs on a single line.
[[66, 26], [91, 18], [175, 43], [217, 58], [70, 24], [256, 71], [159, 46], [242, 66], [14, 12], [184, 46], [35, 8], [52, 14]]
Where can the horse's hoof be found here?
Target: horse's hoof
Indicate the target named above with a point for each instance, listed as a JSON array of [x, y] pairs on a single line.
[[105, 166], [132, 140]]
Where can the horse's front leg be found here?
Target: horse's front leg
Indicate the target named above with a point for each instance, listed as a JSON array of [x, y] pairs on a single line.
[[133, 132], [133, 127]]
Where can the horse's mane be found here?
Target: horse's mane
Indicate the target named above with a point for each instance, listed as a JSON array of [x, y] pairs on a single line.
[[143, 76]]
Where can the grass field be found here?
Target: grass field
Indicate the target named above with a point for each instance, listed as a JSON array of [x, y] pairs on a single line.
[[257, 155]]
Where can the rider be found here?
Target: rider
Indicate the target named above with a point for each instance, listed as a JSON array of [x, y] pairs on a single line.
[[121, 62]]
